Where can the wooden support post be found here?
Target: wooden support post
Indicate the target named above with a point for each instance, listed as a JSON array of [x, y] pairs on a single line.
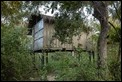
[[42, 59], [93, 53], [79, 56], [90, 55], [73, 54], [46, 58], [33, 59]]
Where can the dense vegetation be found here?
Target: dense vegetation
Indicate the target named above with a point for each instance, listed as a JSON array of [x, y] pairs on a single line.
[[18, 63]]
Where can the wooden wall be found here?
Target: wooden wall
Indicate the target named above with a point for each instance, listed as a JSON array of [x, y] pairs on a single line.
[[53, 43], [42, 38]]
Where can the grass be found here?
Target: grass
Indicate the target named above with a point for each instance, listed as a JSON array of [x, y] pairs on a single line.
[[66, 67]]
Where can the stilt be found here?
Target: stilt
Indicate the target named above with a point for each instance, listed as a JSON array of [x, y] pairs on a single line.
[[46, 58], [42, 59], [93, 53], [73, 54], [79, 56], [89, 53], [33, 59]]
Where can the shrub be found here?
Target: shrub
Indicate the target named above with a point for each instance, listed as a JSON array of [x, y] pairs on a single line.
[[16, 62]]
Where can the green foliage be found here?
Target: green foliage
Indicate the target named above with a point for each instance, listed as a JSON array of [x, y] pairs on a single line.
[[16, 61], [11, 10], [113, 65], [68, 25], [115, 70], [114, 37], [69, 20], [68, 68], [115, 32], [15, 58]]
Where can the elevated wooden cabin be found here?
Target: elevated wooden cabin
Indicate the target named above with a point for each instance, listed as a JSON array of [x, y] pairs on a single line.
[[41, 27]]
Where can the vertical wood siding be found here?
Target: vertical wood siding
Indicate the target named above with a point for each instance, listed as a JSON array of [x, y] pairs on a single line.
[[53, 43]]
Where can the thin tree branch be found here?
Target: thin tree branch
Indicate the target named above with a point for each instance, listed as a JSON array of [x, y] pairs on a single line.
[[114, 29], [117, 12]]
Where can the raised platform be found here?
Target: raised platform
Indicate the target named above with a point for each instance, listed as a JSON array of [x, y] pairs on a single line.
[[53, 50], [57, 49]]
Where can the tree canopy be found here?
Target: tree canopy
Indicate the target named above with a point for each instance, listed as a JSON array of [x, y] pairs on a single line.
[[71, 19]]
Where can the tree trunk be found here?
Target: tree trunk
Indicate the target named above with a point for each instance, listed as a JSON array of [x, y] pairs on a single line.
[[100, 12], [102, 51], [119, 52]]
